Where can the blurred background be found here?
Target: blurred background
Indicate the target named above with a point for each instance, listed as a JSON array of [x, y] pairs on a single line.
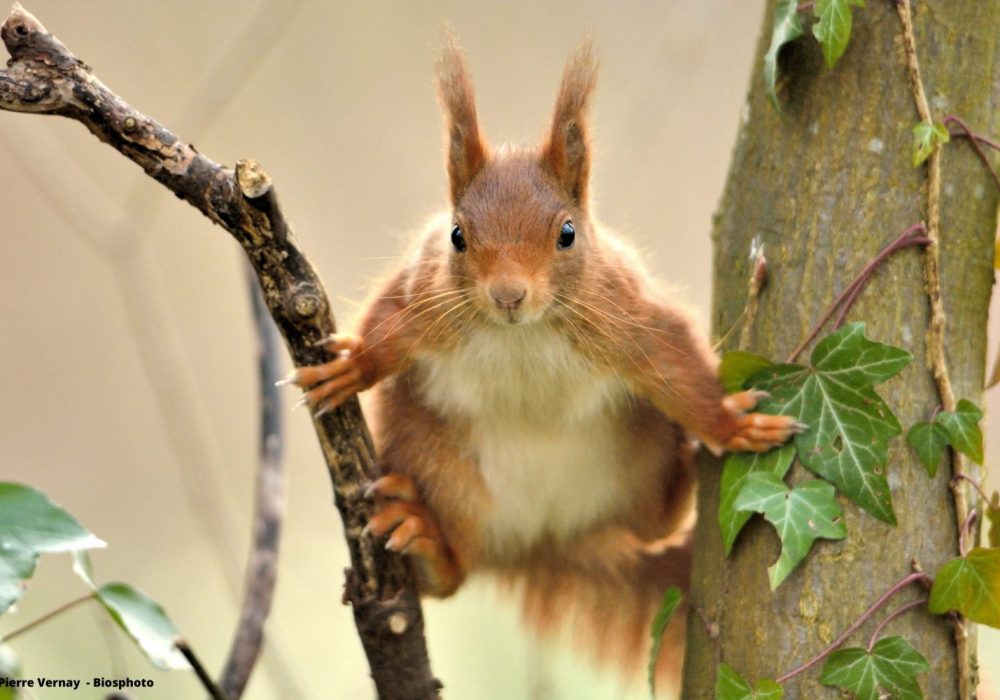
[[129, 384]]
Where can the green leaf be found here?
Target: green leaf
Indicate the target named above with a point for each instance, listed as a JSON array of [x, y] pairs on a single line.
[[787, 27], [10, 667], [737, 467], [729, 685], [929, 441], [801, 515], [145, 622], [926, 137], [140, 616], [890, 670], [970, 585], [833, 28], [83, 569], [849, 425], [963, 429], [16, 565], [993, 515], [671, 599], [737, 366], [31, 524]]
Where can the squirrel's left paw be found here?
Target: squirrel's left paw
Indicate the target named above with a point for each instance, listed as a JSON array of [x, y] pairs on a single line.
[[755, 432], [330, 384]]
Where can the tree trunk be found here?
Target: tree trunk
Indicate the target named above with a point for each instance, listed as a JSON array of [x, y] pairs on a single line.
[[826, 185]]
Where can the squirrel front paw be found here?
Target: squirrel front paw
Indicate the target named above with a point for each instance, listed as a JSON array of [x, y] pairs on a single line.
[[753, 432], [413, 531], [330, 384]]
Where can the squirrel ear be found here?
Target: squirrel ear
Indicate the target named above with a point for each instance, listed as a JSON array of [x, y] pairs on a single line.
[[566, 151], [466, 148]]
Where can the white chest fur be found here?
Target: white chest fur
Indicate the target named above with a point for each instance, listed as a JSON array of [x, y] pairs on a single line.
[[546, 429]]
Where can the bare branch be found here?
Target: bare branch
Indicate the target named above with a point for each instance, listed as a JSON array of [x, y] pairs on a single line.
[[44, 77], [269, 509]]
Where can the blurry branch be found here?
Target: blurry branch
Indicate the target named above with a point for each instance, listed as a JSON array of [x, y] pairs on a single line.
[[43, 77], [269, 508]]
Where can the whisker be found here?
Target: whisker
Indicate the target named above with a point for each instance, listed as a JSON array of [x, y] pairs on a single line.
[[652, 365], [581, 338], [410, 313], [441, 323], [612, 317]]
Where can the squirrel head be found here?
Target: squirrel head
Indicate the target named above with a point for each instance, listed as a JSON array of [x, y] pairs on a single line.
[[521, 228]]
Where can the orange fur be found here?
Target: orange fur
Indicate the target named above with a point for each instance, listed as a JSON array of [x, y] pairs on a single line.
[[534, 400]]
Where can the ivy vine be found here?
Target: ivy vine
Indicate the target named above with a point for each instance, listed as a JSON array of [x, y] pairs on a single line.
[[849, 426]]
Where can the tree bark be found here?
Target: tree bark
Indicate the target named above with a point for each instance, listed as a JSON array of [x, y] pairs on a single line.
[[44, 77], [825, 185]]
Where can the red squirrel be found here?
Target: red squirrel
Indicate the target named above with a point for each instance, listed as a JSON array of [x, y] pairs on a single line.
[[535, 396]]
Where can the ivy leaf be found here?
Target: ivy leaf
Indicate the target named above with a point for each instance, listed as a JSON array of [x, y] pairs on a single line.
[[970, 585], [737, 366], [16, 565], [993, 515], [142, 618], [833, 30], [850, 425], [801, 515], [787, 27], [929, 441], [963, 429], [671, 599], [145, 622], [890, 670], [737, 467], [10, 669], [31, 524], [926, 137], [729, 685]]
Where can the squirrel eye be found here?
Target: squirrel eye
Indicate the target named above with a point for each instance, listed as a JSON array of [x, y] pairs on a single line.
[[567, 235], [458, 239]]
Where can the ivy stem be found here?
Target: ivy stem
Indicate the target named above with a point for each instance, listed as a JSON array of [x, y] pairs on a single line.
[[851, 292], [892, 616], [207, 683], [893, 247], [974, 140], [937, 361], [865, 616], [979, 487], [46, 617], [963, 546]]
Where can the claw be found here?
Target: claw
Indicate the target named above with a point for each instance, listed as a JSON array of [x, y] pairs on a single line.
[[395, 486], [290, 378], [412, 530], [336, 342]]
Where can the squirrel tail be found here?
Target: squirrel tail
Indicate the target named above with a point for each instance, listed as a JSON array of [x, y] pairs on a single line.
[[606, 603]]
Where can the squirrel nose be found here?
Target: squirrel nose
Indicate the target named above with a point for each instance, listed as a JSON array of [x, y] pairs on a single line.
[[508, 294]]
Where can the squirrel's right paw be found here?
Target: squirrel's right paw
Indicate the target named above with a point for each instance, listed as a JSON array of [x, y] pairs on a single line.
[[755, 432], [413, 531], [330, 384]]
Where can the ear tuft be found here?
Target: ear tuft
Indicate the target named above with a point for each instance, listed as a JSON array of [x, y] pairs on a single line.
[[466, 152], [566, 151]]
